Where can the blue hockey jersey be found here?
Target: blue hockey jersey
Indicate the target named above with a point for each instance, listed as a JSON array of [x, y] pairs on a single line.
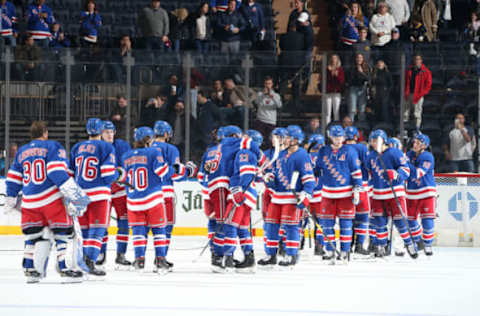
[[93, 164], [202, 175], [146, 171], [421, 183], [9, 19], [39, 168], [394, 159], [362, 152], [244, 173], [121, 147], [340, 171], [90, 23], [317, 191], [37, 25], [172, 156], [285, 165]]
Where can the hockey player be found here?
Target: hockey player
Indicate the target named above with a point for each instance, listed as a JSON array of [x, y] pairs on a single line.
[[315, 142], [362, 209], [388, 164], [93, 163], [40, 171], [146, 170], [287, 204], [244, 199], [119, 201], [421, 192], [342, 183]]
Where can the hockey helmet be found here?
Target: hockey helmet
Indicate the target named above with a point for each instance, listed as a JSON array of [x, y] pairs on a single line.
[[336, 131], [256, 136], [280, 131], [378, 133], [315, 141], [295, 132], [232, 130], [220, 133], [424, 139], [351, 132], [142, 132], [394, 142], [108, 125], [162, 127], [94, 126]]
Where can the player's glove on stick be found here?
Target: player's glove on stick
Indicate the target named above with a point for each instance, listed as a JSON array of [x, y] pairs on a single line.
[[192, 169], [302, 200], [392, 174]]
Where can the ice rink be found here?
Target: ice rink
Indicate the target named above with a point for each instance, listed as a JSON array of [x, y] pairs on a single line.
[[446, 284]]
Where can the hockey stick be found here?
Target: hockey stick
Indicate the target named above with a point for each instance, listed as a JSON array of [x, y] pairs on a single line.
[[390, 183], [293, 183], [266, 165]]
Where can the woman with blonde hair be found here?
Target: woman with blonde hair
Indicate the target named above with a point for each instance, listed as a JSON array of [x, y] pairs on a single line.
[[335, 82]]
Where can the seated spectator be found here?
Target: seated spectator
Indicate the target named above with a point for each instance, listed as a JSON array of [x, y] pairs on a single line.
[[417, 32], [253, 14], [179, 33], [461, 146], [58, 39], [313, 127], [118, 116], [155, 109], [363, 46], [347, 121], [217, 94], [154, 26], [358, 80], [174, 90], [381, 27], [28, 59], [235, 99], [201, 27], [335, 83], [381, 87], [267, 102], [39, 17], [210, 116], [8, 25], [90, 23], [230, 24], [116, 59], [472, 34], [295, 14]]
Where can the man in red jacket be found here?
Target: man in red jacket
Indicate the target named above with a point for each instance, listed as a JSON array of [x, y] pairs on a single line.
[[418, 82]]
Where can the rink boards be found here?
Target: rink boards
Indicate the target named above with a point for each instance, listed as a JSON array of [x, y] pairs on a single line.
[[457, 223]]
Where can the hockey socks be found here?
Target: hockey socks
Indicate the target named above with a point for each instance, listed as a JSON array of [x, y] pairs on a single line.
[[212, 224], [160, 242], [345, 234], [381, 230], [361, 227], [328, 229], [139, 234], [218, 242], [372, 231], [415, 229], [104, 243], [245, 240], [272, 238], [292, 242], [403, 231], [93, 243], [122, 235], [168, 232], [230, 240], [428, 231]]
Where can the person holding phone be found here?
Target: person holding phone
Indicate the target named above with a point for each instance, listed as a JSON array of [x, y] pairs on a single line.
[[462, 145]]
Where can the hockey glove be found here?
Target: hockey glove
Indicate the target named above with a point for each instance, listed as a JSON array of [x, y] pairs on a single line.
[[356, 194], [10, 204], [122, 175], [179, 169], [238, 196], [75, 198], [392, 174], [302, 200], [268, 177], [192, 169]]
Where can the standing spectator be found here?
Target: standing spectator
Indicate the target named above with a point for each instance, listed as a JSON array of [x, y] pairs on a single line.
[[200, 24], [179, 32], [58, 39], [472, 34], [381, 27], [154, 25], [363, 46], [39, 18], [418, 82], [11, 157], [351, 24], [28, 58], [381, 86], [305, 27], [429, 14], [335, 82], [252, 13], [116, 59], [231, 24], [210, 116], [291, 58], [90, 23], [313, 127], [154, 110], [462, 146], [174, 90], [235, 99], [393, 52], [400, 12], [8, 25], [119, 116], [217, 94], [295, 14], [268, 102], [358, 80]]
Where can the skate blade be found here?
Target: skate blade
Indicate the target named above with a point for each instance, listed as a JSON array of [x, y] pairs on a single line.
[[95, 278], [67, 280], [286, 268], [121, 267], [218, 270], [252, 270], [31, 280], [268, 267], [162, 272]]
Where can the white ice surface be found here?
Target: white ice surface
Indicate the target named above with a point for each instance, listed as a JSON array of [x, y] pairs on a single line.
[[446, 284]]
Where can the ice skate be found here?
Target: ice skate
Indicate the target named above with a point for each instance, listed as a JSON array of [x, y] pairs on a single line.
[[288, 262], [71, 276], [328, 255], [281, 248], [93, 271], [121, 263], [247, 265], [420, 245], [412, 251], [344, 257], [428, 250], [359, 252], [101, 260], [161, 266], [217, 264], [139, 264], [379, 251], [268, 262], [170, 265], [318, 251], [33, 276], [229, 264]]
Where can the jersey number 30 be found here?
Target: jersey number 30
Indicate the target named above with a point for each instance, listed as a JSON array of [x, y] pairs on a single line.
[[34, 171]]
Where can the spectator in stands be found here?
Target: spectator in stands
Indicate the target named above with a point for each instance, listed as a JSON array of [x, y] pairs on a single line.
[[174, 90], [417, 31], [400, 11], [363, 46], [39, 17], [210, 116], [8, 25], [462, 145], [217, 93], [90, 23], [313, 127], [116, 59], [201, 28], [472, 34], [418, 82], [291, 60], [267, 102], [179, 32], [347, 121], [235, 99], [335, 83], [393, 52], [305, 27], [154, 110], [381, 27], [11, 156], [382, 84], [154, 25], [252, 13], [230, 24], [295, 14], [58, 40], [28, 60], [427, 10], [358, 80], [118, 116], [350, 26]]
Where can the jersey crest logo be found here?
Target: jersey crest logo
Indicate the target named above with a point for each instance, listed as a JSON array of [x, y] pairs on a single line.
[[243, 158]]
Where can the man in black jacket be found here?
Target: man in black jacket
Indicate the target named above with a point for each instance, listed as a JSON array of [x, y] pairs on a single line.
[[230, 24], [292, 57]]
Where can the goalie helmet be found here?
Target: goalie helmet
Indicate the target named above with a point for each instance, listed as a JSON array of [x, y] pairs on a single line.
[[336, 131], [256, 136], [94, 126], [351, 132], [315, 141], [378, 133], [108, 125], [142, 132], [295, 132], [162, 127]]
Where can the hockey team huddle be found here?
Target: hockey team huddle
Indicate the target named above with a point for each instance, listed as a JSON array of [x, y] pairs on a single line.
[[63, 196]]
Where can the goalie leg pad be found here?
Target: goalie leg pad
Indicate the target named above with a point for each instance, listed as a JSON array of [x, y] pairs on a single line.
[[61, 237], [32, 235]]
